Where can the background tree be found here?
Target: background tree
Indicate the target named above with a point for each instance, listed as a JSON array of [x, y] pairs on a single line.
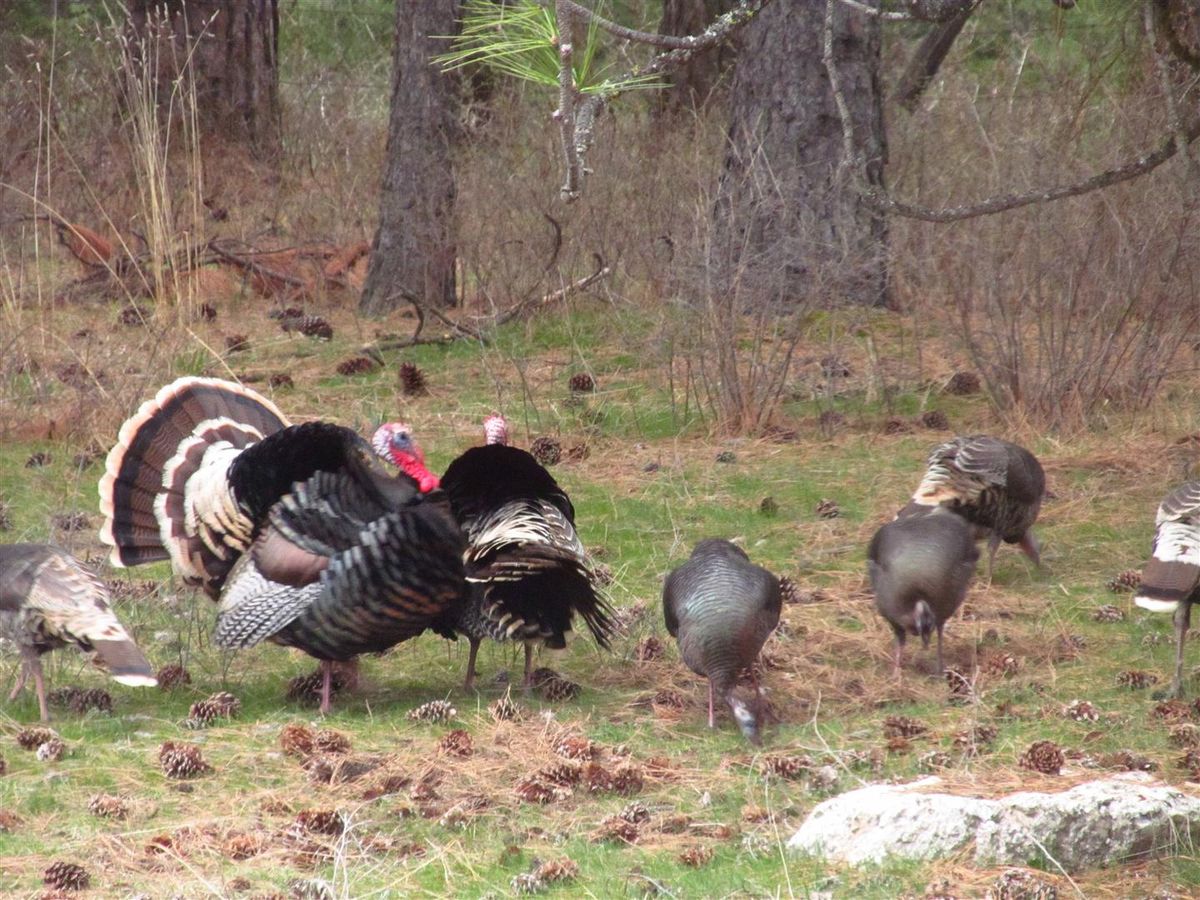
[[230, 48], [692, 83], [414, 250]]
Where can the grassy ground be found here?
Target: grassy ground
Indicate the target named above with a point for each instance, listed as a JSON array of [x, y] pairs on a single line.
[[423, 820]]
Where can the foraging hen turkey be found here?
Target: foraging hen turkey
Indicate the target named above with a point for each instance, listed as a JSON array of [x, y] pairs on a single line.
[[1171, 578], [920, 566], [721, 608], [298, 530], [48, 600], [527, 568], [995, 485]]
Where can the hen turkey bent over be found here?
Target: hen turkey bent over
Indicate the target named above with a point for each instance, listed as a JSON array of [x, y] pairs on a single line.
[[527, 569], [721, 608], [48, 600], [297, 529]]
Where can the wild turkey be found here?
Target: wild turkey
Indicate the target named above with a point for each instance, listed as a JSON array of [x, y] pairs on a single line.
[[298, 530], [48, 600], [995, 485], [1171, 578], [920, 566], [721, 608], [527, 569]]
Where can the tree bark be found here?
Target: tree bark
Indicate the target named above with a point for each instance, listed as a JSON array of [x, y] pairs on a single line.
[[790, 226], [231, 48], [927, 58], [691, 85], [415, 245]]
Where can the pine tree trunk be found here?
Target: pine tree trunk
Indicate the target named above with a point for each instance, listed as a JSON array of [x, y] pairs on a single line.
[[692, 84], [232, 49], [790, 229], [415, 246]]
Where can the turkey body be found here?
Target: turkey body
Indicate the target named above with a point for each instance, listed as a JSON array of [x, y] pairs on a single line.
[[298, 530], [48, 599], [721, 608], [995, 485], [920, 566], [1171, 577], [525, 565]]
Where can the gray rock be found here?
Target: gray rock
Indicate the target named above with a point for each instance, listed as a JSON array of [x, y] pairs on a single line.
[[1091, 824]]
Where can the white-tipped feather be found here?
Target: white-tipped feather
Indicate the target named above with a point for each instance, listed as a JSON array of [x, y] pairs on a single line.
[[1158, 606], [136, 680]]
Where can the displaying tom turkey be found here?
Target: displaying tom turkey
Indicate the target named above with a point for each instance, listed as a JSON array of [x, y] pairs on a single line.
[[48, 599], [920, 566], [1171, 578], [298, 530], [721, 608], [527, 569], [995, 485]]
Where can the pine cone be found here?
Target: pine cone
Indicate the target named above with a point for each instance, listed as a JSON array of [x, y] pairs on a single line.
[[726, 457], [962, 383], [616, 829], [296, 740], [628, 780], [181, 760], [789, 591], [34, 737], [1043, 756], [1190, 761], [280, 380], [1128, 761], [527, 883], [972, 741], [934, 761], [562, 869], [243, 846], [935, 420], [546, 450], [576, 747], [566, 774], [769, 506], [1184, 735], [52, 750], [669, 699], [1018, 884], [66, 876], [903, 726], [578, 452], [896, 426], [71, 522], [288, 312], [1081, 711], [792, 768], [332, 742], [92, 698], [38, 460], [696, 856], [1136, 680], [1124, 582], [828, 509], [133, 316], [597, 778], [635, 812], [1107, 613], [1002, 664], [356, 365], [307, 688], [106, 806], [533, 789], [603, 574], [1069, 646], [221, 705], [62, 697], [412, 380], [236, 343], [649, 649], [433, 711], [320, 821], [506, 710], [1172, 711], [5, 517], [172, 676], [309, 326], [557, 690], [456, 743], [582, 383]]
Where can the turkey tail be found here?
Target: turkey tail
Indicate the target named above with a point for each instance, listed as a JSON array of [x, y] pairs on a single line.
[[192, 426], [1168, 582], [125, 662], [924, 621]]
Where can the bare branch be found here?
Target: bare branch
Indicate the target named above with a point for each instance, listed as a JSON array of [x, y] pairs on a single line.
[[555, 296], [693, 42], [927, 58], [568, 94]]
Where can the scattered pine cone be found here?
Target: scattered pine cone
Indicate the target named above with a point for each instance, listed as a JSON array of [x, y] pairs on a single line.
[[972, 741], [562, 869], [1043, 756], [582, 383], [237, 343], [1081, 711], [614, 828], [1128, 761], [1184, 735], [726, 457], [576, 747], [769, 506], [935, 420], [789, 591], [307, 688], [172, 676], [533, 789], [564, 774], [527, 883], [313, 327], [106, 806], [38, 460], [1068, 647], [243, 846], [903, 726], [5, 517], [961, 688], [828, 509], [320, 821], [597, 778], [1190, 761], [433, 711], [962, 383], [696, 856], [603, 574], [778, 434], [635, 812], [1172, 710], [628, 779], [557, 690], [1019, 884], [52, 750], [1107, 613], [296, 740], [180, 760], [546, 450], [578, 452], [1002, 664], [66, 876], [33, 737], [648, 649], [896, 426], [669, 699], [288, 312], [934, 761], [792, 768], [506, 710], [456, 743], [412, 380], [281, 380], [133, 316], [332, 742], [1136, 680], [72, 521], [356, 365], [221, 705], [1129, 580]]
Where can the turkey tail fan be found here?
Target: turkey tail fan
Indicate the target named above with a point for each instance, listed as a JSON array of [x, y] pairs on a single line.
[[158, 449], [125, 663]]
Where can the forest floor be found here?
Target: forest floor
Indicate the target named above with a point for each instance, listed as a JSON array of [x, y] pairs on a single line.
[[649, 801]]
